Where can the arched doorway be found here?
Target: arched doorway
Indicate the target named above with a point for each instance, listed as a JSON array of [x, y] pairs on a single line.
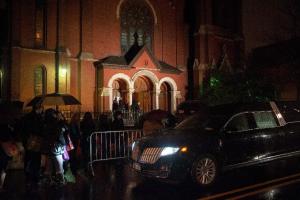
[[119, 90], [165, 97], [143, 88]]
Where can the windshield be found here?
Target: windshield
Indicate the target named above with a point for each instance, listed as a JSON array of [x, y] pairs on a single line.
[[214, 122]]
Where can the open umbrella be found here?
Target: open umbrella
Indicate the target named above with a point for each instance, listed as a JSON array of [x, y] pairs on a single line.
[[54, 99], [160, 116]]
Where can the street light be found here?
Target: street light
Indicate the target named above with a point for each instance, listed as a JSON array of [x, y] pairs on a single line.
[[64, 73]]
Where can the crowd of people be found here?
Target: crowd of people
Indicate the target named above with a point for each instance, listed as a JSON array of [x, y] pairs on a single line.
[[53, 145], [119, 105]]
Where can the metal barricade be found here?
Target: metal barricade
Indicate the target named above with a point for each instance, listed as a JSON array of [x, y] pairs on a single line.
[[111, 145], [131, 117]]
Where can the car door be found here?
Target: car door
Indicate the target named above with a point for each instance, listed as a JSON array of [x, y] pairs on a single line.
[[292, 131], [291, 115], [253, 137], [272, 137], [239, 139]]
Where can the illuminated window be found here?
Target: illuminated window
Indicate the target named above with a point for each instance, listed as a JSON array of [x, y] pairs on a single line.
[[40, 81], [136, 17], [40, 23]]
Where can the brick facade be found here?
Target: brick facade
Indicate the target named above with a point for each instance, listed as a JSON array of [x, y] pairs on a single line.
[[89, 31]]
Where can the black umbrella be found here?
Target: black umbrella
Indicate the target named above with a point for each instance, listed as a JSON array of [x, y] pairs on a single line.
[[54, 99]]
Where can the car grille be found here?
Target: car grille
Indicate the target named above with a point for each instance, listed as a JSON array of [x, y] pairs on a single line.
[[150, 155]]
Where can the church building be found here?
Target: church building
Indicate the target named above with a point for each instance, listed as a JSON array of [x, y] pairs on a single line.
[[99, 50]]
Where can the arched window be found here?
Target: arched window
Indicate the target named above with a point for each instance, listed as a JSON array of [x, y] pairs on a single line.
[[40, 23], [136, 17], [40, 80]]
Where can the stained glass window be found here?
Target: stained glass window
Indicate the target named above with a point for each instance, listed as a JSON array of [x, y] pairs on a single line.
[[136, 17]]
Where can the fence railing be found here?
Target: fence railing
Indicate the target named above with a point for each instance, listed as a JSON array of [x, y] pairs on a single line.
[[111, 145], [130, 117]]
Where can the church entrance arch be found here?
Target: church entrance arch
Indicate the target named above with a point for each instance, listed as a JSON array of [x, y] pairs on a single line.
[[165, 97], [120, 91], [143, 93]]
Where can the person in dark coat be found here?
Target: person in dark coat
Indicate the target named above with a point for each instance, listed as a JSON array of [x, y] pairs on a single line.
[[87, 127], [117, 139], [121, 104], [103, 123], [5, 136], [118, 123], [74, 128], [32, 126], [53, 145], [135, 107], [115, 105]]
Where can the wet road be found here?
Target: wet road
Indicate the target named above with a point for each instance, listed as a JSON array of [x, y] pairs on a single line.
[[280, 180]]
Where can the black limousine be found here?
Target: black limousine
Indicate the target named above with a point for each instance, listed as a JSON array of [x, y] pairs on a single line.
[[226, 137]]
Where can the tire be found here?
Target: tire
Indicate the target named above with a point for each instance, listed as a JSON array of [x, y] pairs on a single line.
[[205, 171]]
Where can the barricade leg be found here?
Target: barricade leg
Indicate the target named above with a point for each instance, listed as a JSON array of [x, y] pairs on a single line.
[[91, 156]]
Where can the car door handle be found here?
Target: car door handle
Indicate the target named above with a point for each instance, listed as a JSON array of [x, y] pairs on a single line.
[[291, 132]]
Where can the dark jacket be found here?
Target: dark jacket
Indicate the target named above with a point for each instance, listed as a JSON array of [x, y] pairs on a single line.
[[32, 124], [118, 124], [53, 138]]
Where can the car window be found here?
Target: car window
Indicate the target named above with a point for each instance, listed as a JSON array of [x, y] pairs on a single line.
[[265, 119], [240, 122], [200, 121]]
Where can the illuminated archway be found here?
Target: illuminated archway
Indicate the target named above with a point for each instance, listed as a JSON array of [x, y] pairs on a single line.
[[126, 87], [165, 97], [143, 93]]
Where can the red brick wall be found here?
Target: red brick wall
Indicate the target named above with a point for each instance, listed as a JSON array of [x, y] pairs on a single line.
[[87, 85], [100, 38], [24, 63], [72, 27]]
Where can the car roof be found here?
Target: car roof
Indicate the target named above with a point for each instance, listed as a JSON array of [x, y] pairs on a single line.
[[232, 108], [285, 107], [191, 104]]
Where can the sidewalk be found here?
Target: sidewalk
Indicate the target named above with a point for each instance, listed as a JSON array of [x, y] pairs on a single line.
[[110, 182]]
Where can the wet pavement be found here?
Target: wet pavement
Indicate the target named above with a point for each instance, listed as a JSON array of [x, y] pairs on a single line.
[[279, 180]]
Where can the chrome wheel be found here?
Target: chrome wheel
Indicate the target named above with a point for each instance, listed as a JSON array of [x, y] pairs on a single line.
[[205, 171]]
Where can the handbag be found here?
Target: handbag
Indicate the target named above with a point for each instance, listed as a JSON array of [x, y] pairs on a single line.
[[34, 143], [66, 156], [10, 148]]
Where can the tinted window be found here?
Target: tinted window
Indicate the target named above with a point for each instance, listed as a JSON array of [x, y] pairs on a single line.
[[201, 121], [265, 119], [240, 122]]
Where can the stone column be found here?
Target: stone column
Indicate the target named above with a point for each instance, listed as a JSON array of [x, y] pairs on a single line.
[[173, 101], [130, 92], [110, 95], [156, 99]]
